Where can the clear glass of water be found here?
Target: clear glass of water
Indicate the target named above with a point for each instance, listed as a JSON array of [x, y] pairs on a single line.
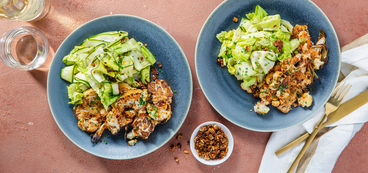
[[26, 10], [24, 48]]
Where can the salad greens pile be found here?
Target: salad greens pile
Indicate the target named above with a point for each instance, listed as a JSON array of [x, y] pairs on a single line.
[[101, 62], [249, 51]]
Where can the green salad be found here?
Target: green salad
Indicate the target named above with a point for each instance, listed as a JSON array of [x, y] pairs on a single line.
[[101, 62], [251, 50]]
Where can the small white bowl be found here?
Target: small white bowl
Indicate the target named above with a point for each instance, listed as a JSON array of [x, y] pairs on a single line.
[[230, 144]]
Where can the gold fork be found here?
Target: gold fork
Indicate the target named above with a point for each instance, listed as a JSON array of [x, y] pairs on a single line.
[[333, 103]]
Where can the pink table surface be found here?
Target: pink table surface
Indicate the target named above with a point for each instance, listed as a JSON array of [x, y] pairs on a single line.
[[31, 141]]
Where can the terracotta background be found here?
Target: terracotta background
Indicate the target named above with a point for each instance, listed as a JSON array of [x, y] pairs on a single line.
[[32, 142]]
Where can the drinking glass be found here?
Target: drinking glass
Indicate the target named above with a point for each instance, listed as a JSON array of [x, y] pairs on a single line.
[[26, 10], [24, 48]]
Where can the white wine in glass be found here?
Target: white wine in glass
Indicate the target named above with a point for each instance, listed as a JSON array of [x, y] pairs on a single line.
[[26, 10]]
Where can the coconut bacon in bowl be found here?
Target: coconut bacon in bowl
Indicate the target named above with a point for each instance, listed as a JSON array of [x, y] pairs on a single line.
[[276, 61]]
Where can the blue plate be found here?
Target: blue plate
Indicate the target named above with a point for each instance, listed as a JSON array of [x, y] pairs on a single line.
[[176, 73], [223, 90]]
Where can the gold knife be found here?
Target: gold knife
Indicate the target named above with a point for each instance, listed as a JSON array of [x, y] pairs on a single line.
[[345, 109]]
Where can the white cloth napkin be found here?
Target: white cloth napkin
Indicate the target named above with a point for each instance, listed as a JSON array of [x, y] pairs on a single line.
[[355, 67]]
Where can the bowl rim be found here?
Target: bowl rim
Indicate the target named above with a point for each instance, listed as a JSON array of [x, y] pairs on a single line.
[[230, 144], [199, 37], [185, 112]]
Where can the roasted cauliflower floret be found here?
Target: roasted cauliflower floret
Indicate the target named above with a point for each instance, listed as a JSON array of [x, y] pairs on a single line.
[[91, 112], [261, 108], [305, 100]]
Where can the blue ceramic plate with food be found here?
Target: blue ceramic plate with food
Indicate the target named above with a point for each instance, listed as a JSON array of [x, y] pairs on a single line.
[[224, 91], [174, 70]]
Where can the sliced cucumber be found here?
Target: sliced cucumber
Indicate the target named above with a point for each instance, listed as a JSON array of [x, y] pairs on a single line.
[[81, 78], [97, 50], [148, 55], [81, 50], [97, 73], [110, 64], [92, 81], [266, 64], [260, 77], [260, 70], [254, 58], [98, 76], [67, 73], [237, 34], [244, 70], [79, 53], [294, 43], [127, 67], [115, 88], [110, 36], [83, 86], [89, 42], [283, 28], [271, 56], [117, 40], [121, 78], [133, 43], [260, 34], [139, 60], [287, 25]]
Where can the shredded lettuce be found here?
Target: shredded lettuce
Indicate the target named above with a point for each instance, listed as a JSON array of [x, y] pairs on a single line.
[[106, 95], [270, 23], [223, 35], [257, 33], [258, 15], [75, 94]]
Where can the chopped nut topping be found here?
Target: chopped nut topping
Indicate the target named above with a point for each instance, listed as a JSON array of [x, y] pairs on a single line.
[[172, 147], [124, 40], [141, 85], [178, 145], [247, 48], [154, 77], [176, 159], [186, 151], [221, 61], [188, 142], [179, 136], [159, 65], [185, 157], [235, 19], [279, 44], [154, 71], [211, 143]]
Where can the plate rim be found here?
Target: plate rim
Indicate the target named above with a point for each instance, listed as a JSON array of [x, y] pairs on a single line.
[[190, 84], [200, 35]]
